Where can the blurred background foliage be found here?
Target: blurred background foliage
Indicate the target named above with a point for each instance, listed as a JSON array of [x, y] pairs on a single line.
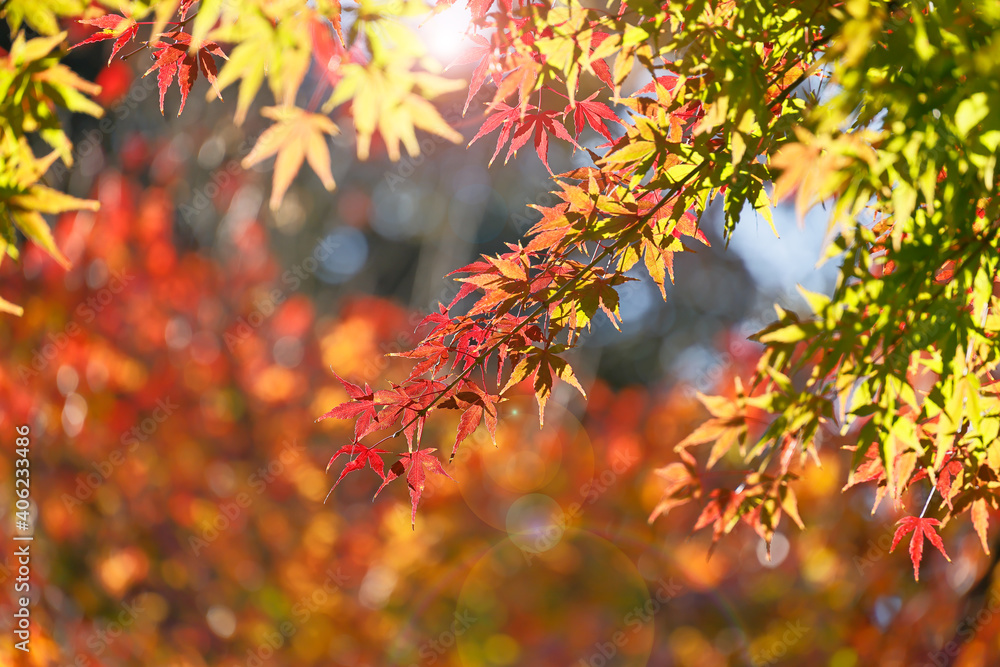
[[172, 376]]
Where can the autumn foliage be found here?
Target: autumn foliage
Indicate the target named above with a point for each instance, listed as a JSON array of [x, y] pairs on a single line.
[[883, 110]]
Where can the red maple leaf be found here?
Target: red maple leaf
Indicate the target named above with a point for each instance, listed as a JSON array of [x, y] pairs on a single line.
[[594, 113], [328, 52], [479, 8], [413, 464], [439, 320], [369, 455], [719, 513], [467, 344], [506, 116], [431, 355], [668, 81], [478, 406], [920, 528], [360, 407], [946, 477], [600, 67], [540, 124], [175, 59], [534, 123], [483, 53], [681, 484], [409, 404], [185, 8], [113, 26]]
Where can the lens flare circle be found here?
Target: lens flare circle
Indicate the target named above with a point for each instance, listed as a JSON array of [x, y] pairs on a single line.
[[557, 460]]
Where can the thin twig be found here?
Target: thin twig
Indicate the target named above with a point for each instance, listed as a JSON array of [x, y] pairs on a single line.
[[543, 305]]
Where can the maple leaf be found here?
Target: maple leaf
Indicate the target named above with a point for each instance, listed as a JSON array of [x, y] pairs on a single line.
[[369, 455], [113, 26], [409, 403], [478, 406], [277, 52], [483, 53], [505, 118], [467, 346], [328, 52], [978, 500], [393, 101], [432, 355], [522, 75], [467, 425], [870, 469], [981, 522], [921, 528], [175, 60], [594, 114], [682, 485], [720, 512], [415, 465], [544, 366], [479, 8], [26, 202], [814, 167], [296, 135], [598, 65], [949, 473], [361, 407], [726, 428], [520, 127], [439, 319], [668, 82]]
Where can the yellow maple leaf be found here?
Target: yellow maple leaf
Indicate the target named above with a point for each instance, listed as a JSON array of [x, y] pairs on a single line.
[[296, 135], [383, 101]]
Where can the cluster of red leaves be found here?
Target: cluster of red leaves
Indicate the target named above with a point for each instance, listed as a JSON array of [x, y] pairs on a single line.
[[119, 28], [513, 72], [174, 59], [517, 314], [952, 486], [173, 55], [518, 127]]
